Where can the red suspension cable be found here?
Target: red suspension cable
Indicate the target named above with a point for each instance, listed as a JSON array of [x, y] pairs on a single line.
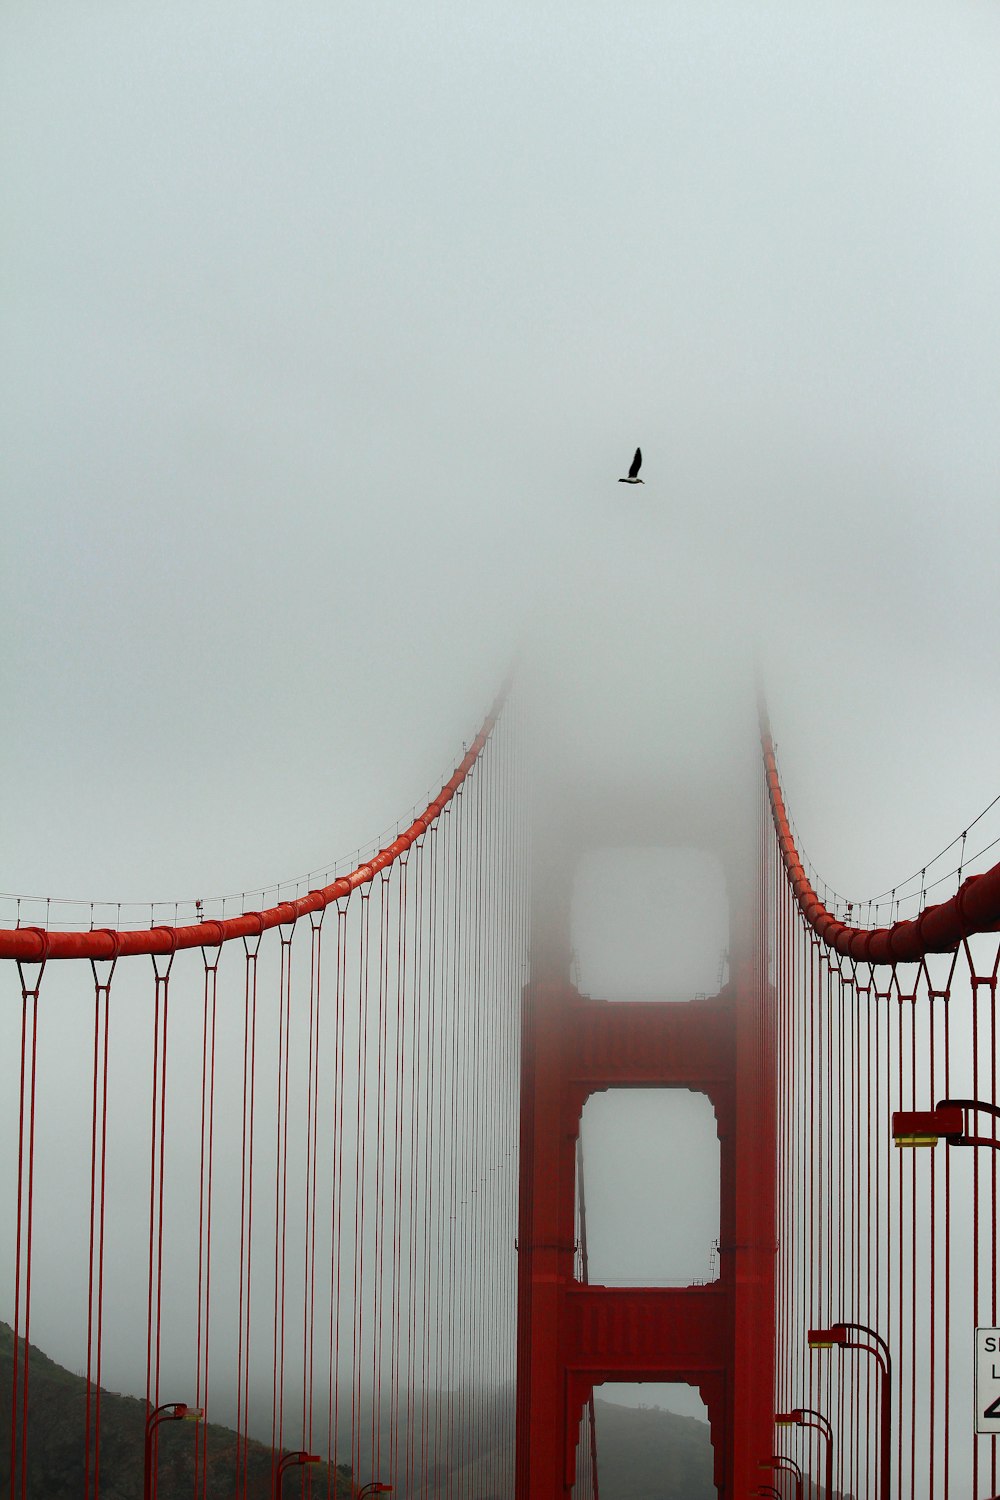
[[37, 944], [974, 908]]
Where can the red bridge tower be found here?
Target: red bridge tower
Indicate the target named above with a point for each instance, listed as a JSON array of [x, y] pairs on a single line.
[[572, 1337]]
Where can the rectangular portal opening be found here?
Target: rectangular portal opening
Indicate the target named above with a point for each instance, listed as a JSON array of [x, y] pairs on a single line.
[[649, 1165], [650, 924], [649, 1441]]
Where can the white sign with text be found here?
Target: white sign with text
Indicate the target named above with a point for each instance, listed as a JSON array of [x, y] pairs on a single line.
[[988, 1380]]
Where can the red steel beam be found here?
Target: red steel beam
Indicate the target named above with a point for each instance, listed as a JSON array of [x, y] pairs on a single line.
[[974, 908], [38, 944]]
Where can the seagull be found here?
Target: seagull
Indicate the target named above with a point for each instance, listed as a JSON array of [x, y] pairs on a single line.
[[633, 473]]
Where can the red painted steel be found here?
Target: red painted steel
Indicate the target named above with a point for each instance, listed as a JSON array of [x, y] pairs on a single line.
[[340, 1190], [928, 1123], [39, 944], [975, 907], [885, 1252], [571, 1336]]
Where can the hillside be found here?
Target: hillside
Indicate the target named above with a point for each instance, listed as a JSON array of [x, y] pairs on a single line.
[[644, 1453], [57, 1409]]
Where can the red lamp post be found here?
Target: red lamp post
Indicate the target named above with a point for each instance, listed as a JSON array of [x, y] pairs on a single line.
[[947, 1121], [843, 1336], [806, 1416], [374, 1488], [784, 1465], [291, 1461], [170, 1411]]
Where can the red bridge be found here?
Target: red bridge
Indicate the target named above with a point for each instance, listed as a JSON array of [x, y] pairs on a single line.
[[307, 1167]]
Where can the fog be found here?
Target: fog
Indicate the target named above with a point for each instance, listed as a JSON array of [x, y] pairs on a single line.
[[326, 334]]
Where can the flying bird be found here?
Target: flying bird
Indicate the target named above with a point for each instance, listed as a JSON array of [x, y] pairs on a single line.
[[633, 473]]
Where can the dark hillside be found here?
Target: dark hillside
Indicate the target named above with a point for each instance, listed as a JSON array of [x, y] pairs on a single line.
[[648, 1454], [644, 1453], [56, 1417]]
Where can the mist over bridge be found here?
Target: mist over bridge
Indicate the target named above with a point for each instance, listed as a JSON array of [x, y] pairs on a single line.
[[310, 1166]]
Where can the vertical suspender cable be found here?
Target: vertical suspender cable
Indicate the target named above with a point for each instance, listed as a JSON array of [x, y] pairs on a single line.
[[24, 1226], [95, 1272], [360, 1174], [211, 964], [250, 946], [337, 1199], [157, 1155], [311, 1171], [281, 1197]]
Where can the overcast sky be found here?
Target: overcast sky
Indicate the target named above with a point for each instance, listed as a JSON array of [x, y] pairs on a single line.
[[328, 330], [326, 333]]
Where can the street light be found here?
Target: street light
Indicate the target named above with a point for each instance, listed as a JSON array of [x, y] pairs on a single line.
[[782, 1464], [374, 1488], [805, 1416], [170, 1411], [291, 1461], [946, 1121], [839, 1335], [769, 1491]]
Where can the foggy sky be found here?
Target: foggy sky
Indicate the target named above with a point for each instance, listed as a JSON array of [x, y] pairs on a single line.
[[326, 332]]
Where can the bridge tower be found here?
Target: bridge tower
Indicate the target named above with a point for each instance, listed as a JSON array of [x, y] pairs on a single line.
[[718, 1337]]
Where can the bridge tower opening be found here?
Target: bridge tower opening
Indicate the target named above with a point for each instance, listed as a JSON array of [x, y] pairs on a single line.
[[643, 1434]]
